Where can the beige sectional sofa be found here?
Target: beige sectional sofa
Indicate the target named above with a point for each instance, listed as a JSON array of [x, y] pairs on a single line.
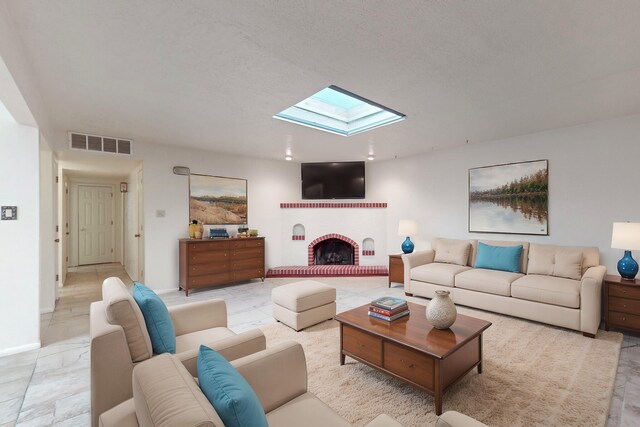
[[558, 285]]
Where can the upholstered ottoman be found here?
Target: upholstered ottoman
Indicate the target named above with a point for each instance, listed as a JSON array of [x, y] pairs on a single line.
[[302, 304]]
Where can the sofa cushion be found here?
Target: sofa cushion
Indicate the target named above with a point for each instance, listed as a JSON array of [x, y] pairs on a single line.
[[452, 251], [437, 273], [503, 258], [547, 289], [121, 309], [230, 394], [306, 410], [165, 394], [560, 261], [192, 340], [488, 281], [568, 263], [157, 318]]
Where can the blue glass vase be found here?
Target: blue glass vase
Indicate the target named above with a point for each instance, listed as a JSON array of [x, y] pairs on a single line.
[[627, 266], [407, 246]]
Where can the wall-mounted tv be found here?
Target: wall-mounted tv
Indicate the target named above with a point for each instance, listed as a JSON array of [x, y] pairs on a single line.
[[333, 180]]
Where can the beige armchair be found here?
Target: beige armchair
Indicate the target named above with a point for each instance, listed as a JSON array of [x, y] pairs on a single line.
[[120, 341], [166, 394]]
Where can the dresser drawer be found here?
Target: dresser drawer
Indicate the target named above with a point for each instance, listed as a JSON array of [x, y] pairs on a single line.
[[251, 243], [208, 257], [624, 291], [409, 364], [208, 279], [250, 273], [245, 253], [361, 344], [208, 246], [624, 320], [251, 263], [624, 305], [209, 268]]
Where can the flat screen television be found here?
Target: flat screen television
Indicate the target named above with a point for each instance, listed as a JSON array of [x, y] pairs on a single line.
[[333, 180]]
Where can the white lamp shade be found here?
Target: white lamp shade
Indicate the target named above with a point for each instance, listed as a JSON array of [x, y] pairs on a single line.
[[407, 228], [626, 235]]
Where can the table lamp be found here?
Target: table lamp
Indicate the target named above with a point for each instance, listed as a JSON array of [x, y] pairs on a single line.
[[626, 236], [407, 228]]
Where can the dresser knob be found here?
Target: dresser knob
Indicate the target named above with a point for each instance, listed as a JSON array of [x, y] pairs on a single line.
[[624, 318]]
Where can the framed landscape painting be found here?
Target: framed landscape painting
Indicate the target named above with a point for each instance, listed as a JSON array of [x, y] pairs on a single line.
[[217, 200], [510, 198]]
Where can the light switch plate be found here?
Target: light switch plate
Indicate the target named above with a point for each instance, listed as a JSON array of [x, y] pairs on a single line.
[[161, 213], [9, 213]]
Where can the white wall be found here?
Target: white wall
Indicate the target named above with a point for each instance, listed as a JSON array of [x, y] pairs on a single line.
[[593, 178], [47, 230], [269, 183], [20, 240]]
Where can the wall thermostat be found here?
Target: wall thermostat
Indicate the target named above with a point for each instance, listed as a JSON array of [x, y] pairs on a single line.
[[9, 213]]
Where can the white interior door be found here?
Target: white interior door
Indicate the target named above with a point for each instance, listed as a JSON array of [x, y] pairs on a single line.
[[140, 233], [95, 224]]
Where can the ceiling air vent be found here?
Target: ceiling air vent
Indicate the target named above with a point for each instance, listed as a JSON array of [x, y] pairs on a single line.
[[103, 144]]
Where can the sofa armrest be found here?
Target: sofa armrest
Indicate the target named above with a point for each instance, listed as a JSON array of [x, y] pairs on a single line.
[[231, 348], [277, 375], [111, 364], [590, 299], [198, 316], [412, 260]]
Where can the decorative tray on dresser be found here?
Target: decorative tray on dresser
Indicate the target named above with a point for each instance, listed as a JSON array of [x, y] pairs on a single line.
[[215, 262]]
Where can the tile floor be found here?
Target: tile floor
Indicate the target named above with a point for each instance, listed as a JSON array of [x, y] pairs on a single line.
[[50, 386]]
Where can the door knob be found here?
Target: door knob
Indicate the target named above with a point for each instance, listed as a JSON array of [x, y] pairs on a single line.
[[57, 240], [136, 235]]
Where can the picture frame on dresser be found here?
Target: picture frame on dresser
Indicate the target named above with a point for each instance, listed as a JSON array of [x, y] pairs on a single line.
[[218, 200]]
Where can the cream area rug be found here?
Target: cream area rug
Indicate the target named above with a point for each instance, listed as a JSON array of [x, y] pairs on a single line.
[[533, 375]]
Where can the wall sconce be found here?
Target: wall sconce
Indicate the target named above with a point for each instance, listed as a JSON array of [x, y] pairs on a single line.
[[123, 187]]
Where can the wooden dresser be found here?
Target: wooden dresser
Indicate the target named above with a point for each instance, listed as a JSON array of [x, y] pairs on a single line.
[[621, 303], [216, 262]]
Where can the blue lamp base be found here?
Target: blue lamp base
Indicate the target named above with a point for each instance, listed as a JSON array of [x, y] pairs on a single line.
[[407, 247], [627, 266]]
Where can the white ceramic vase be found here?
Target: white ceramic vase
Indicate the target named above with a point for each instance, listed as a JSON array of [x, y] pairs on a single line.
[[441, 311]]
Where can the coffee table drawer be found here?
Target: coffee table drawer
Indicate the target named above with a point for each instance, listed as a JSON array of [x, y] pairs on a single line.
[[409, 364], [362, 345]]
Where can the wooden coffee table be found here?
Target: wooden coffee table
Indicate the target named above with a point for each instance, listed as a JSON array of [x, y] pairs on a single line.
[[411, 349]]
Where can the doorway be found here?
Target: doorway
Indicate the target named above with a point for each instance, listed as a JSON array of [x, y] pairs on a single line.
[[96, 232]]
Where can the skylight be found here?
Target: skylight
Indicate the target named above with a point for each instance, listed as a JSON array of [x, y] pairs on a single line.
[[339, 111]]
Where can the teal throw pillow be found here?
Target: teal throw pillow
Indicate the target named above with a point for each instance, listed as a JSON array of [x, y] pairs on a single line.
[[229, 393], [157, 319], [504, 258]]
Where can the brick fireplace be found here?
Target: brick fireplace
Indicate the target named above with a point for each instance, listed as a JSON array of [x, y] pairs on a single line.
[[331, 244]]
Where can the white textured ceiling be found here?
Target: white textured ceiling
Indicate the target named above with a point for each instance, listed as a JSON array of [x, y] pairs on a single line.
[[211, 74]]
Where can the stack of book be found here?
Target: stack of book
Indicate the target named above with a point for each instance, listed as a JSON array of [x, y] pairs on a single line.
[[388, 308]]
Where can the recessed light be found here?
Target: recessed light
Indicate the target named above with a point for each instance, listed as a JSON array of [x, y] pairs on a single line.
[[339, 111], [288, 157]]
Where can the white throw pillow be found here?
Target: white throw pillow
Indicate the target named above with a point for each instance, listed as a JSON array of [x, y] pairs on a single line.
[[541, 259], [452, 251]]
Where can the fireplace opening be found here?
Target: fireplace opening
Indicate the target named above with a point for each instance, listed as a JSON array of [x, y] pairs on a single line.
[[333, 252]]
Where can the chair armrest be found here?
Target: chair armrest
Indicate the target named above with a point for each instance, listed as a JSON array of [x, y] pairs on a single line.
[[415, 259], [590, 299], [198, 316], [111, 364], [277, 375], [231, 348]]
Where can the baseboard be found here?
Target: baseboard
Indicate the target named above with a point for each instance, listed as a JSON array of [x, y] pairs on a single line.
[[47, 310], [20, 349]]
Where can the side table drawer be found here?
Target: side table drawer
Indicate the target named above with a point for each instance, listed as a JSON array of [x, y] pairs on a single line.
[[624, 320], [409, 364], [624, 291], [624, 305], [361, 344]]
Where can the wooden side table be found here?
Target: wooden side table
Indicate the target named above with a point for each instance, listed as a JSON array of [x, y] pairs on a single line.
[[396, 269], [621, 303]]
